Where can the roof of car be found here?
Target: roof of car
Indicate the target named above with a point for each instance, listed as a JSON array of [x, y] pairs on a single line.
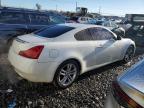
[[13, 9]]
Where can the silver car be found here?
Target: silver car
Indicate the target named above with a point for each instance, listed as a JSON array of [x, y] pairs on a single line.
[[128, 89]]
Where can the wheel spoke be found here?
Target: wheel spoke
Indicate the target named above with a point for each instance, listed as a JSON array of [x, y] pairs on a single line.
[[72, 72], [63, 72], [127, 57], [70, 78], [130, 52], [69, 67], [63, 81]]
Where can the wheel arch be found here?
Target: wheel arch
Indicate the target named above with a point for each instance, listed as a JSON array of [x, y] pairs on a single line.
[[127, 49], [60, 63], [71, 58]]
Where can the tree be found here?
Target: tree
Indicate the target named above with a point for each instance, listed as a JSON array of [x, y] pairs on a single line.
[[38, 6]]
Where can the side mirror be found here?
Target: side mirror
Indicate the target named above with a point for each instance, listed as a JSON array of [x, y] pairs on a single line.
[[119, 32], [119, 37]]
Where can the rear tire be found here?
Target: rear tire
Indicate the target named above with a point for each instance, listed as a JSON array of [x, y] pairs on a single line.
[[66, 74], [129, 54]]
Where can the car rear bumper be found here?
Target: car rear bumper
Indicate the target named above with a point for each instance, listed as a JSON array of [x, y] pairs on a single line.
[[31, 69]]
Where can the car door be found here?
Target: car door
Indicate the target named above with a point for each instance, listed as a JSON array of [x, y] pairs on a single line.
[[114, 46], [12, 24], [37, 21], [86, 47], [105, 45]]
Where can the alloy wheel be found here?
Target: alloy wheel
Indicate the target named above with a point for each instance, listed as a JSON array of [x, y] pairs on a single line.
[[129, 54], [67, 74]]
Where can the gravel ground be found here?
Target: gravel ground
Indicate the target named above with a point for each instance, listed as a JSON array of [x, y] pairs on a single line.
[[89, 91]]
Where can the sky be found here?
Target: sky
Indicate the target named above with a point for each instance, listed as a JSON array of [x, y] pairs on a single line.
[[106, 7]]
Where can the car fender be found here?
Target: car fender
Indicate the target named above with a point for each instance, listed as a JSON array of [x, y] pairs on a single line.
[[128, 43], [66, 57], [72, 55]]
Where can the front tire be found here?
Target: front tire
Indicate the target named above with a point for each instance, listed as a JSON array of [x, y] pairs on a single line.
[[129, 54], [66, 74]]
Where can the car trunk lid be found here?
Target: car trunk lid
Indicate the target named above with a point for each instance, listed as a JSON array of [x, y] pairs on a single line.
[[132, 83], [32, 38], [28, 41]]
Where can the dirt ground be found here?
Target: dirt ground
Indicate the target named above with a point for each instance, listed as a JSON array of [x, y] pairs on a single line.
[[89, 91]]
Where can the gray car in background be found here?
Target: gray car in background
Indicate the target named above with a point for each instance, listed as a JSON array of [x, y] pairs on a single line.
[[113, 27], [128, 89]]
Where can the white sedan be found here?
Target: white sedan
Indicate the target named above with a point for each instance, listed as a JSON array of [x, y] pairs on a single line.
[[60, 53]]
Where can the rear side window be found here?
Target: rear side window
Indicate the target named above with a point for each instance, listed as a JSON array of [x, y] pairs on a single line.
[[39, 19], [101, 34], [56, 19], [12, 17], [83, 35], [53, 31]]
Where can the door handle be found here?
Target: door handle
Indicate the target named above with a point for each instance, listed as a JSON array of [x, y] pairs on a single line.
[[100, 46]]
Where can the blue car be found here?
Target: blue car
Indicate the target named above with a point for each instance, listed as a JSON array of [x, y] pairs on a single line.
[[19, 21]]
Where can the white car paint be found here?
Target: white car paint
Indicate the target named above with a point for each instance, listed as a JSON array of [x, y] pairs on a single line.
[[90, 54]]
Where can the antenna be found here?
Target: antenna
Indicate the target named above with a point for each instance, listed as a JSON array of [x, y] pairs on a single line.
[[56, 7], [99, 9], [38, 6]]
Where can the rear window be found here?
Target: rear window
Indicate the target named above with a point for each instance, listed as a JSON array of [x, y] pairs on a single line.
[[53, 31], [39, 19]]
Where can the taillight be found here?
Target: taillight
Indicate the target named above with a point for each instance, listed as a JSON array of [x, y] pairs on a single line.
[[33, 52], [123, 97]]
